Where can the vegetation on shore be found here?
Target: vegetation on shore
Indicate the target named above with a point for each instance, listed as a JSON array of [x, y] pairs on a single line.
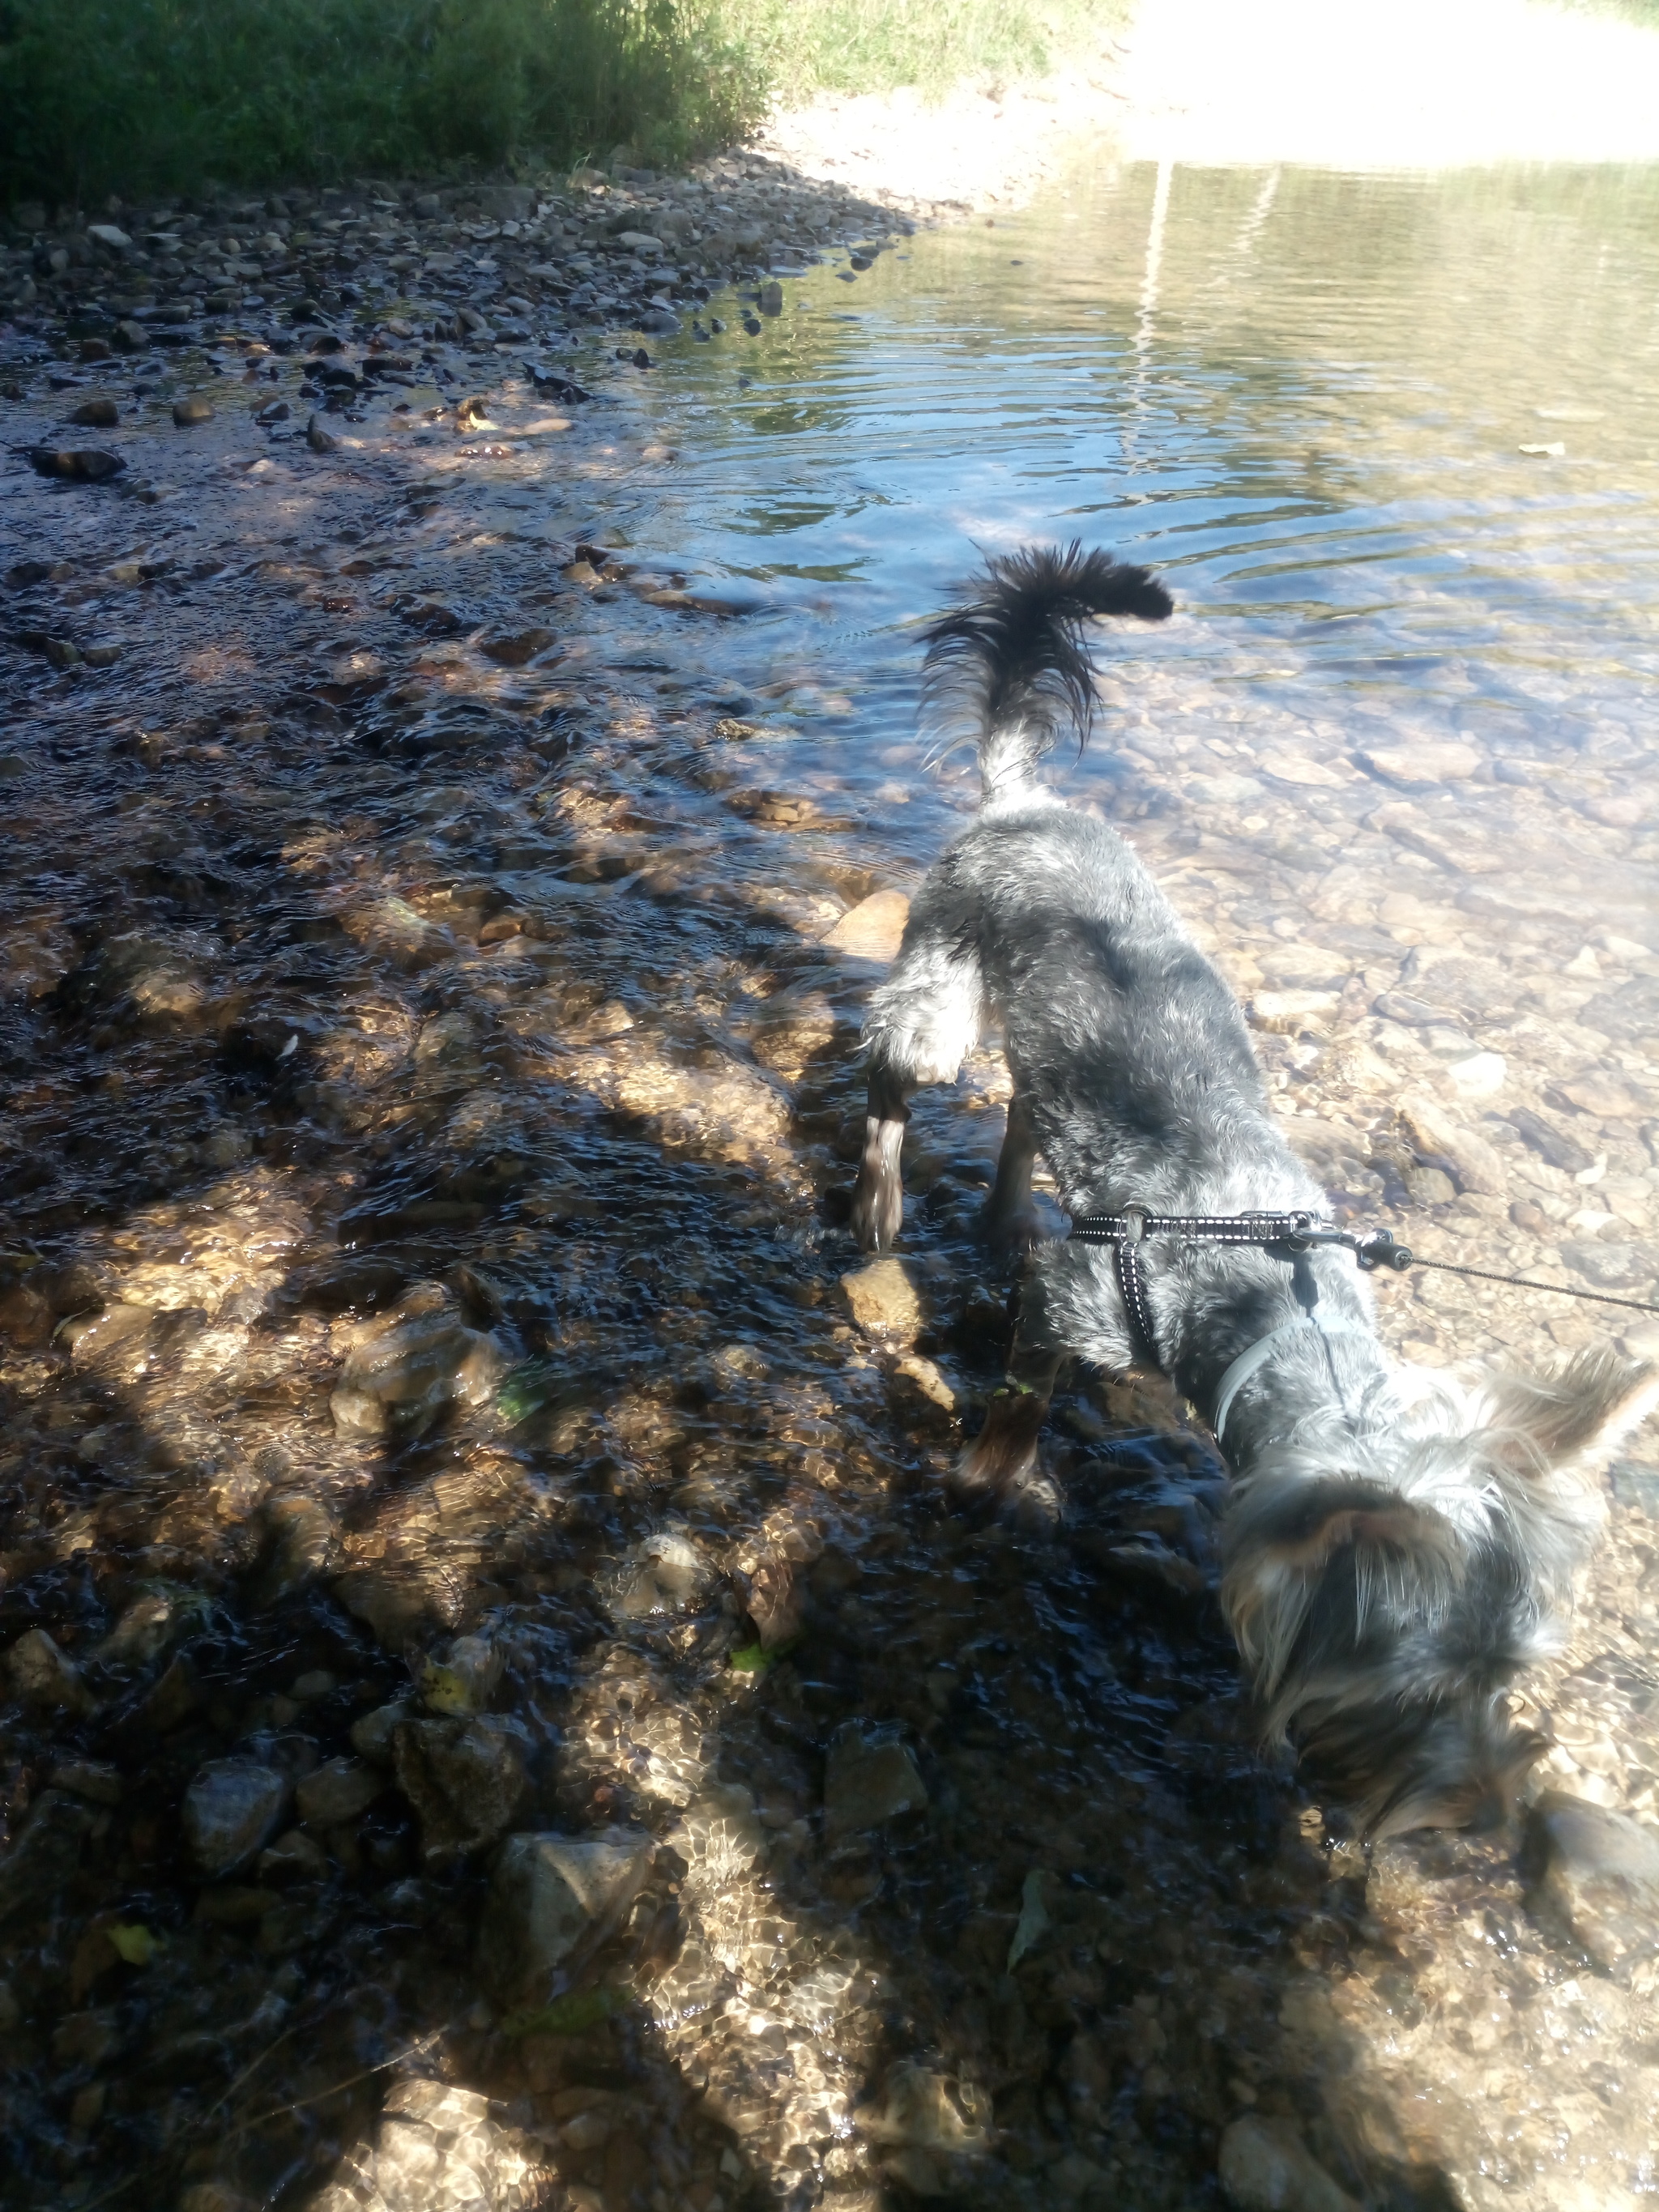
[[135, 96]]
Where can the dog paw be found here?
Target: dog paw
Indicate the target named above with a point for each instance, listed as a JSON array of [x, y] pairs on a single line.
[[1012, 1236], [877, 1213]]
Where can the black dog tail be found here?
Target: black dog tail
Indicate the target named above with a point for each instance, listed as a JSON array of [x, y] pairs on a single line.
[[1011, 665]]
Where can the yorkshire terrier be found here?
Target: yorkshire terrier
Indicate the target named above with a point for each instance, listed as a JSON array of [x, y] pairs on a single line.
[[1396, 1545]]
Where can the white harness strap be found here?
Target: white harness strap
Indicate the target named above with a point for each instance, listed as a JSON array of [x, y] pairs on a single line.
[[1262, 1350]]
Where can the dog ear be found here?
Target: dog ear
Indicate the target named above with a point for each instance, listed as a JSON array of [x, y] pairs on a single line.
[[1570, 1422], [1280, 1541]]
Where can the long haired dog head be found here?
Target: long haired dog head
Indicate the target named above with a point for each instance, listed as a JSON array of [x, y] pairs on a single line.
[[1385, 1592], [1396, 1547]]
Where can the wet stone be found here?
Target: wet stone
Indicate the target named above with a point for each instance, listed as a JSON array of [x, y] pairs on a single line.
[[553, 1896], [1265, 2166], [45, 1852], [337, 1791], [231, 1809], [371, 1736], [873, 929], [868, 1780], [884, 1299], [99, 414], [463, 1779], [43, 1677], [189, 412], [1596, 1875]]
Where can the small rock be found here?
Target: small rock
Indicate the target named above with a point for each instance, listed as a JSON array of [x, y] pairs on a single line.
[[751, 323], [1429, 1186], [1482, 1075], [304, 1544], [771, 298], [1424, 767], [406, 1369], [868, 1780], [1551, 1144], [42, 1677], [514, 648], [1441, 1141], [143, 1630], [319, 439], [1265, 2166], [1618, 1267], [1289, 1012], [294, 1857], [80, 464], [659, 322], [638, 242], [337, 1791], [884, 1300], [188, 412], [462, 1681], [231, 1810], [554, 1895], [666, 1574], [89, 1778], [372, 1735], [99, 413], [873, 929], [463, 1778], [109, 233]]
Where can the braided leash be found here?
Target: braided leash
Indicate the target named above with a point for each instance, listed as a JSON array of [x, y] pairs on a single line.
[[1292, 1233]]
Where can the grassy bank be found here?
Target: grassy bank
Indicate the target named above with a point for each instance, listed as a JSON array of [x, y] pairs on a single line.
[[143, 95], [804, 47], [136, 95]]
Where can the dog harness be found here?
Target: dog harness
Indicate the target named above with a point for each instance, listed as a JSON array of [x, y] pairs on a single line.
[[1294, 1234]]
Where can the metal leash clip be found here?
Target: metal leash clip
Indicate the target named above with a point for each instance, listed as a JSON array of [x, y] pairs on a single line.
[[1376, 1248]]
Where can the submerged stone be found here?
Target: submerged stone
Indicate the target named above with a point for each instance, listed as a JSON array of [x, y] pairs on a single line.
[[231, 1810], [553, 1895]]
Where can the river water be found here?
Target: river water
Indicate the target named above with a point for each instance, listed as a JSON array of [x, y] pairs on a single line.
[[435, 1407]]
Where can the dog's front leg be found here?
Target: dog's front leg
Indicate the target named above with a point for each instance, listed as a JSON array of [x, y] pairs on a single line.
[[878, 1195], [1001, 1467]]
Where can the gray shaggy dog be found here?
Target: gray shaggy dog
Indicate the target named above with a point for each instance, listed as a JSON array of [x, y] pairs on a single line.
[[1397, 1545]]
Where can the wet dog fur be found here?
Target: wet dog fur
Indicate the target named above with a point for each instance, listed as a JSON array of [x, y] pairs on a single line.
[[1397, 1545]]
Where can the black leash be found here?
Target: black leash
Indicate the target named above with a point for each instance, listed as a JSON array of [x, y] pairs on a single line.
[[1293, 1234]]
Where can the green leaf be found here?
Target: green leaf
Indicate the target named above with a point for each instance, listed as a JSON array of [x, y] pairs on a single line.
[[572, 2014], [134, 1942], [752, 1659]]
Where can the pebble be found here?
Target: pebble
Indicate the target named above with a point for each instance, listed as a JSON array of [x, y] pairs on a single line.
[[78, 464], [191, 410], [319, 439], [868, 1780], [1596, 1872], [231, 1810], [42, 1677], [1422, 767], [1441, 1140], [552, 1896], [1265, 2166], [337, 1791], [463, 1779], [874, 928], [99, 414]]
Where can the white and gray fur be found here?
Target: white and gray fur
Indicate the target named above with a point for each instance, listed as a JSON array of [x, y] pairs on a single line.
[[1396, 1545]]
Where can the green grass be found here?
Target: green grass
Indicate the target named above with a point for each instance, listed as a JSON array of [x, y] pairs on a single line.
[[870, 45], [141, 96]]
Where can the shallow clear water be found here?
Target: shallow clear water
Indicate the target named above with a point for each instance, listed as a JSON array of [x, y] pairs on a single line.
[[431, 1102]]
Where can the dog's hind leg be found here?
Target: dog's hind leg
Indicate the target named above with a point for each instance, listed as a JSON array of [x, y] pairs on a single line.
[[1009, 1222], [1000, 1466], [923, 1023], [878, 1195]]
